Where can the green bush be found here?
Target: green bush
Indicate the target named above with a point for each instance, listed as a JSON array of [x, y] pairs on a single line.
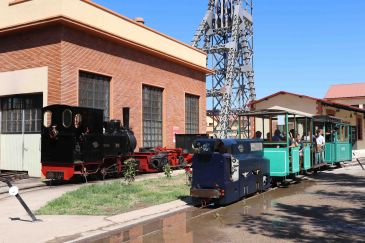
[[167, 170], [130, 170]]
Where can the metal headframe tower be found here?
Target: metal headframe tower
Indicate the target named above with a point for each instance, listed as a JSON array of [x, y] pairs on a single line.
[[226, 34]]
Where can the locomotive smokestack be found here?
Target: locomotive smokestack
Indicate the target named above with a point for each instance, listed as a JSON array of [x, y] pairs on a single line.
[[126, 117]]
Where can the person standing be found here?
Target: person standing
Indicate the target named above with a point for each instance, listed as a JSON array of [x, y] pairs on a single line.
[[320, 141]]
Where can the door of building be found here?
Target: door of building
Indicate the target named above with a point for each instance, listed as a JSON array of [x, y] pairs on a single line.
[[20, 127]]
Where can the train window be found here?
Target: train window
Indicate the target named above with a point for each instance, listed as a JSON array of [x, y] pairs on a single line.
[[47, 119], [219, 146], [67, 118], [206, 147], [77, 120]]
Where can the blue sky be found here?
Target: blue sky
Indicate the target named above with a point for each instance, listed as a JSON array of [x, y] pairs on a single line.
[[301, 46]]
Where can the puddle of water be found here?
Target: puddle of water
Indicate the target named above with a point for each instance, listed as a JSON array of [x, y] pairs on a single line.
[[206, 225]]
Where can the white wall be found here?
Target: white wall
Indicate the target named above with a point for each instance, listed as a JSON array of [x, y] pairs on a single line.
[[17, 151], [25, 81]]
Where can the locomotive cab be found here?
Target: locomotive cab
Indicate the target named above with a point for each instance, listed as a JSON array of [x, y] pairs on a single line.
[[69, 134], [226, 170]]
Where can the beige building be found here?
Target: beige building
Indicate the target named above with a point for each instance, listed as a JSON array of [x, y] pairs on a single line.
[[310, 106], [349, 94]]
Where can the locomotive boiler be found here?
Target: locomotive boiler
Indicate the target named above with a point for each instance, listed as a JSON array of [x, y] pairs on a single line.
[[76, 141]]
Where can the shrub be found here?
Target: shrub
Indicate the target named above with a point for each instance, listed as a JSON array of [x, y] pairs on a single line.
[[130, 170], [167, 170]]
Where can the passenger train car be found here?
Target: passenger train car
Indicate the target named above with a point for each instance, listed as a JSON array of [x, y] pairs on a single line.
[[285, 145]]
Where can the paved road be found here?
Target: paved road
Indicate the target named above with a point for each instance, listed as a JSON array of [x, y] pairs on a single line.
[[53, 227], [328, 207]]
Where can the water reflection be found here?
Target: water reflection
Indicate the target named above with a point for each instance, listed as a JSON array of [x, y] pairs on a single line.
[[201, 225]]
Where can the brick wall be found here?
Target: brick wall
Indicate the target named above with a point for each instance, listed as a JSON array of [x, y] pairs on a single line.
[[66, 51], [37, 48]]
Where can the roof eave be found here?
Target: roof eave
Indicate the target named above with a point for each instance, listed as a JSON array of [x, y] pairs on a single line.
[[74, 23]]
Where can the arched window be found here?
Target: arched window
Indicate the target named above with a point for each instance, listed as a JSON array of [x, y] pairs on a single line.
[[67, 118], [47, 119]]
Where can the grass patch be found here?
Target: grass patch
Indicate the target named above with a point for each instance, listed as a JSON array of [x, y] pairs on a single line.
[[112, 198]]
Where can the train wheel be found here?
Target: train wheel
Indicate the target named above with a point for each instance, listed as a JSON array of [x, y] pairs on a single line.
[[163, 162]]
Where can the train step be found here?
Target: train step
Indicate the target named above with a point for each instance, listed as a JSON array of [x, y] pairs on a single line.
[[317, 166]]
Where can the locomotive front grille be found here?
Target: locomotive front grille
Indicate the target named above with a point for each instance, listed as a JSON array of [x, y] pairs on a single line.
[[56, 175], [205, 193]]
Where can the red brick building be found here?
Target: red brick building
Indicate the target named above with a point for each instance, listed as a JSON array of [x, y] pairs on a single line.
[[75, 52]]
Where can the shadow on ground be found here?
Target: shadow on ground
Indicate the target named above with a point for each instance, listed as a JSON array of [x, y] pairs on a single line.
[[333, 222]]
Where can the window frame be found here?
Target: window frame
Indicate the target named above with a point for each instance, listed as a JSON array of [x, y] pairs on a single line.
[[152, 130], [28, 111], [85, 78], [192, 127]]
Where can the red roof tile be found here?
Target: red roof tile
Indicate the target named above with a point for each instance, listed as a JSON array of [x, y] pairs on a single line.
[[346, 90]]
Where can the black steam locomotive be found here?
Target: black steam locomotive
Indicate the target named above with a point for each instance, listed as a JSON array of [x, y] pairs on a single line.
[[76, 141]]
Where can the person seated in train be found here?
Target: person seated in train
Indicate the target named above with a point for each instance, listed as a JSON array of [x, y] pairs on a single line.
[[258, 135], [299, 141], [277, 136], [268, 136], [292, 140], [328, 135]]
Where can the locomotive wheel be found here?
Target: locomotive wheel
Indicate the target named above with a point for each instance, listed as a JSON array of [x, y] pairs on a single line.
[[155, 164], [163, 162]]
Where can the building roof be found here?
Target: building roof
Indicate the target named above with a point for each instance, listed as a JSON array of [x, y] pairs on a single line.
[[323, 101], [346, 91], [20, 15]]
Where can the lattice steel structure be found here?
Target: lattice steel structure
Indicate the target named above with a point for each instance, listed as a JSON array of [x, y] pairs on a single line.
[[226, 34]]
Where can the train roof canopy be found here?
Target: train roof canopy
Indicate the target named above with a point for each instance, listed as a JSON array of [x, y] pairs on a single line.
[[274, 112]]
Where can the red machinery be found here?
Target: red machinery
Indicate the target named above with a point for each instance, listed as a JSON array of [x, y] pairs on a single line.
[[153, 160]]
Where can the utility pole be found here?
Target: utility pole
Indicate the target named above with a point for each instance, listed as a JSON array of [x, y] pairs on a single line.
[[226, 34]]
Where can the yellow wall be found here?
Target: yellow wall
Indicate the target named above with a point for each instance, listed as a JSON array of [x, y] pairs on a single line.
[[309, 106], [288, 102], [91, 15], [349, 101], [350, 117], [26, 81]]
